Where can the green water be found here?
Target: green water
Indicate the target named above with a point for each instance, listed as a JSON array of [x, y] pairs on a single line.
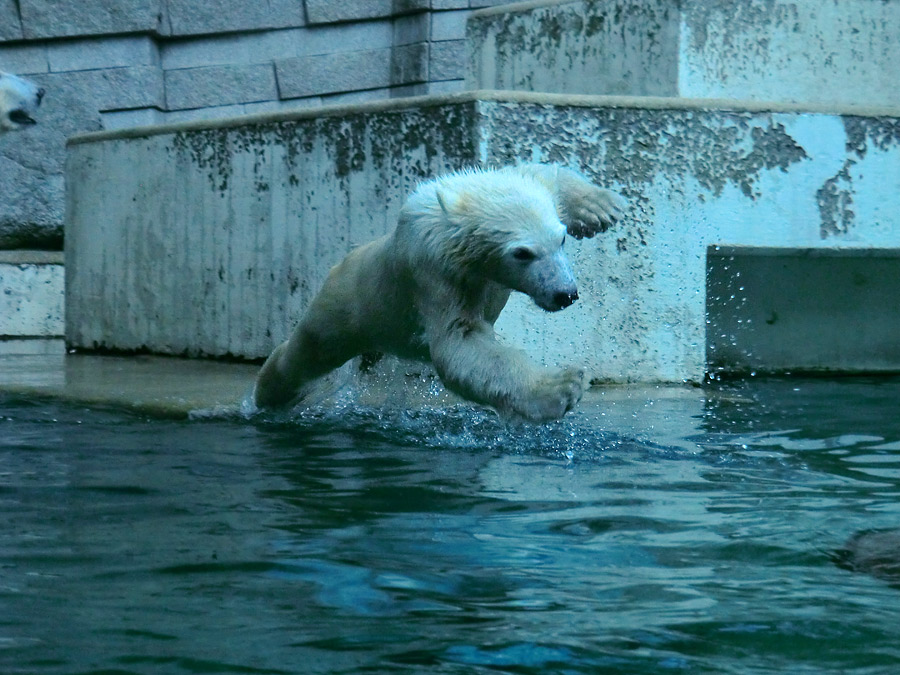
[[447, 541]]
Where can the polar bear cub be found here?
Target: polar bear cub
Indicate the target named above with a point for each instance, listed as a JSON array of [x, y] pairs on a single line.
[[433, 289], [19, 101]]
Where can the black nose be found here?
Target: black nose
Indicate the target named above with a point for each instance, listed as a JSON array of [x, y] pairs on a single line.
[[563, 299]]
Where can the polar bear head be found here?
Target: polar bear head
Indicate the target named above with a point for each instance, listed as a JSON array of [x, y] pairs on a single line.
[[19, 101], [505, 227]]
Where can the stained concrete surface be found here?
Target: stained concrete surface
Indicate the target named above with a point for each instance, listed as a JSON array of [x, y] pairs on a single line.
[[160, 386], [216, 237], [31, 301], [808, 51]]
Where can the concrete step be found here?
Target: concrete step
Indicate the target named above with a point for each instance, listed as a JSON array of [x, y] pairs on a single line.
[[802, 310], [32, 300], [178, 388], [211, 239], [804, 51], [159, 386]]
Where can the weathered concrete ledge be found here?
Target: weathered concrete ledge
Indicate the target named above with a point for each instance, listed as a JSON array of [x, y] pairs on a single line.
[[154, 385], [209, 240], [178, 389], [487, 95], [809, 51]]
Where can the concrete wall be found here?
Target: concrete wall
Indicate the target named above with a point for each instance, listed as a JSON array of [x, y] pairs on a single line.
[[110, 64], [216, 237], [215, 240], [835, 52], [31, 302], [614, 47]]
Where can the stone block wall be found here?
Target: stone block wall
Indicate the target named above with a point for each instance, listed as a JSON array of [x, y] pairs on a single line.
[[113, 64]]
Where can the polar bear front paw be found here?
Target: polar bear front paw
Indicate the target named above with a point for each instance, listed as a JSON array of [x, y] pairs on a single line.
[[554, 395], [595, 210], [588, 209]]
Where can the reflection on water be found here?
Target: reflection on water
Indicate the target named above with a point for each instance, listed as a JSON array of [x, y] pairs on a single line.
[[683, 534]]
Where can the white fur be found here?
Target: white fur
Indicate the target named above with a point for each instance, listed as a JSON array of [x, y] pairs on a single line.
[[19, 101], [434, 288]]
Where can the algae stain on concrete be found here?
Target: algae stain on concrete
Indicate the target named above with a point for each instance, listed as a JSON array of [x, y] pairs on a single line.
[[210, 151], [387, 144], [530, 49], [726, 21], [634, 147]]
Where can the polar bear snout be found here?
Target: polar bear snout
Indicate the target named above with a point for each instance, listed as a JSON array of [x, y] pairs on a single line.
[[556, 301], [19, 101], [551, 283], [564, 299]]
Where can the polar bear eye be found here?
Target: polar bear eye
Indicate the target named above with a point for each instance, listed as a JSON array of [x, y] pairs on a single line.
[[524, 254]]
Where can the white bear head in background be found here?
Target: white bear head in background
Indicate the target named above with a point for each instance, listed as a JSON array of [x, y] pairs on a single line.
[[505, 228], [19, 101]]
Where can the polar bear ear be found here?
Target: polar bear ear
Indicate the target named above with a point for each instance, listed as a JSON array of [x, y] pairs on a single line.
[[447, 199]]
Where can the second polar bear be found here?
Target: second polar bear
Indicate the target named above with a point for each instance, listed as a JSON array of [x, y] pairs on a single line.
[[19, 101], [433, 289]]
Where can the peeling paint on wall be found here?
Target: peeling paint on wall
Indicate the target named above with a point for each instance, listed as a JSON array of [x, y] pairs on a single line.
[[835, 198], [881, 133]]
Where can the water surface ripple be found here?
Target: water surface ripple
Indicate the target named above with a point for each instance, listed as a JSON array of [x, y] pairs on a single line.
[[751, 530]]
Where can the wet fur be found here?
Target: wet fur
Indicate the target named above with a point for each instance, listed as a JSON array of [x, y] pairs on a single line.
[[433, 289]]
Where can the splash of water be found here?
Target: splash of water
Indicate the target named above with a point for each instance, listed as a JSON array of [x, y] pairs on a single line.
[[404, 402]]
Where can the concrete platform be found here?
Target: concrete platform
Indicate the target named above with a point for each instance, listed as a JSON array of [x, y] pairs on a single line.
[[835, 52], [176, 388], [210, 240], [159, 386]]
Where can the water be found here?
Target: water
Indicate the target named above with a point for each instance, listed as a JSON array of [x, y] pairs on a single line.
[[364, 540]]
